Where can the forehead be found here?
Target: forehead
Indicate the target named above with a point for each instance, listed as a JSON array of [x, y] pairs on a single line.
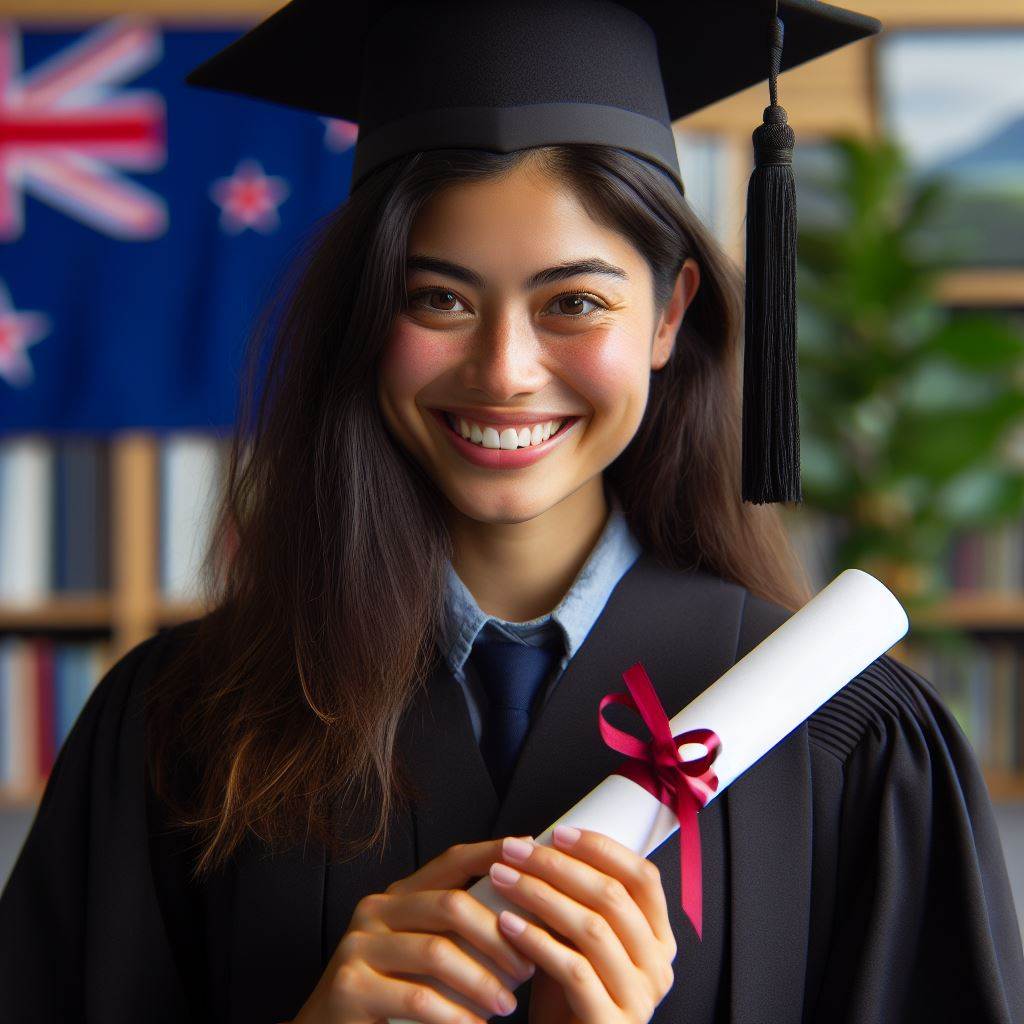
[[526, 219]]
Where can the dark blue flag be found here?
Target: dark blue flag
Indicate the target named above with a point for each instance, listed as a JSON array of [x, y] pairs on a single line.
[[143, 224]]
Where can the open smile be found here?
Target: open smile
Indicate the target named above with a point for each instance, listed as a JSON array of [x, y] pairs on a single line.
[[498, 457]]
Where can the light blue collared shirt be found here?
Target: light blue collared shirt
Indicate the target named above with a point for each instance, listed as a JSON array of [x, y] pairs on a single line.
[[563, 629]]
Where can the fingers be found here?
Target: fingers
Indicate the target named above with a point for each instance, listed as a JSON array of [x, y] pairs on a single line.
[[436, 956], [450, 910], [640, 876], [384, 997], [583, 989], [586, 928], [428, 925], [453, 868], [595, 899]]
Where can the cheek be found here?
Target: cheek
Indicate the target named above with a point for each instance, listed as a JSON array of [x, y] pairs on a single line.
[[411, 359], [611, 370]]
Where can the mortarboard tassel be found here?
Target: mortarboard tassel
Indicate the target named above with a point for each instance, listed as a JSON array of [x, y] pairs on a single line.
[[771, 417]]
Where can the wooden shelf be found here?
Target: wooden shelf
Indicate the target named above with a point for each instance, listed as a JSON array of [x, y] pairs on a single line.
[[86, 611], [892, 13], [170, 612], [20, 799], [896, 14], [991, 610], [980, 610], [983, 287], [1005, 787]]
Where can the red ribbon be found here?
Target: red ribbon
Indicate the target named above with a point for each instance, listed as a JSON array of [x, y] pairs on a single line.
[[657, 765]]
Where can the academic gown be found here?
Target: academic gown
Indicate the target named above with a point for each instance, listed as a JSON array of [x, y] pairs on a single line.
[[854, 874]]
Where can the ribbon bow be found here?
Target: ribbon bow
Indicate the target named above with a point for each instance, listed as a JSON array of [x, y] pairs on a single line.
[[657, 765]]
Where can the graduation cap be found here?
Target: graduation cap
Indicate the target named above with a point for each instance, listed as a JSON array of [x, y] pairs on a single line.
[[515, 74]]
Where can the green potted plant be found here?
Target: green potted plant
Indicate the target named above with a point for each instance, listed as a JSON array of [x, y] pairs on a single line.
[[908, 409]]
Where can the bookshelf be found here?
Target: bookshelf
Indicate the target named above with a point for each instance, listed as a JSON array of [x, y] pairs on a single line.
[[157, 488], [133, 608]]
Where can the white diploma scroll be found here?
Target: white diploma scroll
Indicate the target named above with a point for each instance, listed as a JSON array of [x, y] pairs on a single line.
[[752, 707]]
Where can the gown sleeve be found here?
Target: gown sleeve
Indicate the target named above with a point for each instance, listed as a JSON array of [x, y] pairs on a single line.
[[81, 932], [924, 927]]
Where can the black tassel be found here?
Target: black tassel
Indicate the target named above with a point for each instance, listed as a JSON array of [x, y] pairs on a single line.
[[771, 416]]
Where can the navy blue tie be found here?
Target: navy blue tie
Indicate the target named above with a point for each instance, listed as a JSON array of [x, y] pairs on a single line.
[[512, 674]]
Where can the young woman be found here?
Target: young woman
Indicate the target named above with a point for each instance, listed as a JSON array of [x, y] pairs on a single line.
[[855, 873], [271, 813]]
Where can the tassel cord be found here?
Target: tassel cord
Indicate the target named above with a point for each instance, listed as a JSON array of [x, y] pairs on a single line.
[[771, 441]]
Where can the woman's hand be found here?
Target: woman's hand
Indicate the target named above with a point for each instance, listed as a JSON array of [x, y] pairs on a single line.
[[608, 902], [406, 930]]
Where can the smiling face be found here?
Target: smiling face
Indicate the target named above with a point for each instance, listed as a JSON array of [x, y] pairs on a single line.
[[499, 330]]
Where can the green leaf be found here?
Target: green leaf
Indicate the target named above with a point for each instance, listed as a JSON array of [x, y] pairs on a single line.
[[819, 468], [942, 444], [942, 386], [982, 496], [978, 341]]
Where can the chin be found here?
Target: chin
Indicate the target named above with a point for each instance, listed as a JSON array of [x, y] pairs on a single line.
[[493, 504]]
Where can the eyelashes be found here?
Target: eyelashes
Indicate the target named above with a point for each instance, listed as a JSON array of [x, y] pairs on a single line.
[[585, 296]]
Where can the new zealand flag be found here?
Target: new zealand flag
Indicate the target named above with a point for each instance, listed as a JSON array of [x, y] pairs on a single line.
[[143, 224]]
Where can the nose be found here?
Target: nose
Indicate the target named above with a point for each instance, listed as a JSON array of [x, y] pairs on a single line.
[[504, 359]]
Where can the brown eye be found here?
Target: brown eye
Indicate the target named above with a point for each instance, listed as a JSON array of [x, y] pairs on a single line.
[[427, 297], [571, 305], [446, 297]]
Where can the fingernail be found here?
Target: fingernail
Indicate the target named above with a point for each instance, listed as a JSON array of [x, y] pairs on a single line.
[[512, 923], [516, 849], [503, 874], [565, 835], [506, 1003]]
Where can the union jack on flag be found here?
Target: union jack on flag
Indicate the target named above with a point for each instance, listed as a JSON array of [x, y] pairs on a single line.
[[143, 223]]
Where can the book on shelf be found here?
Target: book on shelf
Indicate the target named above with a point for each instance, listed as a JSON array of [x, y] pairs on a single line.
[[56, 526], [44, 684], [54, 517], [980, 682], [81, 524], [980, 678], [988, 560], [192, 470]]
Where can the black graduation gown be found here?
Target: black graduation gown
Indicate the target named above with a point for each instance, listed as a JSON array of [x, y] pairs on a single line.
[[854, 874]]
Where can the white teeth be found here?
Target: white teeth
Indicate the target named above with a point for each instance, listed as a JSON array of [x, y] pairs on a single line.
[[509, 438]]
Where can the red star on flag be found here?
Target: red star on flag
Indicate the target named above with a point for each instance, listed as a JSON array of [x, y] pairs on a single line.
[[249, 198], [340, 134], [18, 330]]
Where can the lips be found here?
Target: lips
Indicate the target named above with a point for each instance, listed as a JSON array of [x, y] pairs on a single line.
[[504, 458], [498, 418]]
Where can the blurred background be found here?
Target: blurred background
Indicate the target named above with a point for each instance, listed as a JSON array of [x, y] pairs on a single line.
[[143, 225]]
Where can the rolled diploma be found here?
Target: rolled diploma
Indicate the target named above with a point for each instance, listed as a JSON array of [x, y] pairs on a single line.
[[752, 707]]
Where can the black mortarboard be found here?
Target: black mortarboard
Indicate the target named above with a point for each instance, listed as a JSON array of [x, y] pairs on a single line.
[[515, 74]]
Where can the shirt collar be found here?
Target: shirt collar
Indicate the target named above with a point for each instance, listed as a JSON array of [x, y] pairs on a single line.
[[615, 551]]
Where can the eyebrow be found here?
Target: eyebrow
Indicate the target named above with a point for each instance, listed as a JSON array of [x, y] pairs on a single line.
[[590, 265]]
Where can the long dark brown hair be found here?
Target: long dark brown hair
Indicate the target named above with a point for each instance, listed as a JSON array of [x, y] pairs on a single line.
[[325, 576]]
